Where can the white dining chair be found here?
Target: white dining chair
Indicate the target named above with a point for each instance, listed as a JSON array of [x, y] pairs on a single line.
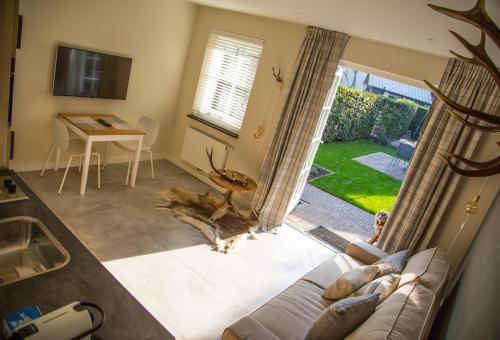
[[61, 140], [150, 127]]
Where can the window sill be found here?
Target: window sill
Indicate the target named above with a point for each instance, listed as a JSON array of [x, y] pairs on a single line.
[[212, 125]]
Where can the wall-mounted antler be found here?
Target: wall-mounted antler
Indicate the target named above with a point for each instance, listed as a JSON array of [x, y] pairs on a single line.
[[462, 109], [478, 17], [277, 75], [481, 169], [475, 165], [479, 55], [480, 127]]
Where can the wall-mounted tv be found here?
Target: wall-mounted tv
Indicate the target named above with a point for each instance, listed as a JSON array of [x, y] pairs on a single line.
[[82, 73]]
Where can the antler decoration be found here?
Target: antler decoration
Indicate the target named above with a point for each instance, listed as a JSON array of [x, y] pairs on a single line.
[[220, 172], [277, 75], [478, 17], [488, 168], [479, 55], [485, 128], [223, 173]]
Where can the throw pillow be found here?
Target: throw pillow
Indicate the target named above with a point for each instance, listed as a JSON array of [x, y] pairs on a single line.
[[383, 286], [394, 263], [350, 282], [342, 317]]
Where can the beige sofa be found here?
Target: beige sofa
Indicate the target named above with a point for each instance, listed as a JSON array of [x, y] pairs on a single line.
[[407, 314]]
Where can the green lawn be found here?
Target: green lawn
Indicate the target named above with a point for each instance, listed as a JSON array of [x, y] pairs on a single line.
[[351, 181]]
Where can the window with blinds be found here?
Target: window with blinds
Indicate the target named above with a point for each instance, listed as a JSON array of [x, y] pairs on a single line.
[[226, 79]]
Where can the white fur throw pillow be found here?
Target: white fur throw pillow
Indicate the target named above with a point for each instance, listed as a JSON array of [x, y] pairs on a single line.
[[349, 282], [383, 286]]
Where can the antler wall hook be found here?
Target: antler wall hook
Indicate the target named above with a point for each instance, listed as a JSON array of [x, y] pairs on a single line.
[[278, 77], [478, 17], [479, 55], [480, 169]]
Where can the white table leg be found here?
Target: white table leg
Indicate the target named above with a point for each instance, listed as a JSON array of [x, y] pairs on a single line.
[[58, 158], [85, 168], [106, 154], [137, 157]]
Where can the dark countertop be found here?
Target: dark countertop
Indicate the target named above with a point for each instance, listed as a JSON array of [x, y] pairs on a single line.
[[84, 278]]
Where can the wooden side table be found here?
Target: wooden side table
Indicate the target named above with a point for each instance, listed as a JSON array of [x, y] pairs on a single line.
[[230, 187]]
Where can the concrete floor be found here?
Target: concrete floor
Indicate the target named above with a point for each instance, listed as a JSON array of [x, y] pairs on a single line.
[[166, 264]]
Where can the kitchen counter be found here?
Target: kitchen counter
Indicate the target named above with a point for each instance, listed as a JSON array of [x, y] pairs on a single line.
[[84, 278]]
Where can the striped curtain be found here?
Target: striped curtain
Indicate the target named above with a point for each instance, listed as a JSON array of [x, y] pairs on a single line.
[[313, 76], [429, 184]]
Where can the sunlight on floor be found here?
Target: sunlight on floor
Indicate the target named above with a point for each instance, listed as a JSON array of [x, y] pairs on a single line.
[[196, 292], [167, 265]]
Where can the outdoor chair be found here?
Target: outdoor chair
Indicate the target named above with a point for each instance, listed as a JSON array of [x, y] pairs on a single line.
[[403, 152]]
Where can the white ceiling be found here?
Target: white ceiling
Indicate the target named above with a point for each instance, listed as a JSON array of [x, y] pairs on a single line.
[[407, 23]]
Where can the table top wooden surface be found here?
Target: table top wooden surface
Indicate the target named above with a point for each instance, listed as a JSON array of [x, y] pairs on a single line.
[[231, 186], [87, 122]]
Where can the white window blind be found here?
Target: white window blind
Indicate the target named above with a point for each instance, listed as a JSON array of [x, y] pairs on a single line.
[[226, 79]]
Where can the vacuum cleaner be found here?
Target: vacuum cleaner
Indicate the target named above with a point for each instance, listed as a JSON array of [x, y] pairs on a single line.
[[77, 320]]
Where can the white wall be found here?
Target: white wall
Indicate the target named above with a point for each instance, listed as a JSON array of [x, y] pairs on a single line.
[[155, 33]]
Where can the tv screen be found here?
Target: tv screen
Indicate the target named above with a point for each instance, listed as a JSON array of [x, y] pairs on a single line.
[[81, 73]]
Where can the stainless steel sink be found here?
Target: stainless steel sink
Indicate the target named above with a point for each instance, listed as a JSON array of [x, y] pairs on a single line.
[[27, 248]]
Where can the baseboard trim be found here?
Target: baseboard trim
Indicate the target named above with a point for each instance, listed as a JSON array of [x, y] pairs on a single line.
[[202, 176], [192, 171], [62, 164], [144, 157]]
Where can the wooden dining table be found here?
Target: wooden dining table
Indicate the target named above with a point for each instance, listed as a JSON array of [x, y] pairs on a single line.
[[86, 126]]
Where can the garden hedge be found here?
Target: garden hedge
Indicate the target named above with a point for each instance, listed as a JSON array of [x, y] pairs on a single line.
[[351, 117], [418, 117], [393, 118], [362, 115]]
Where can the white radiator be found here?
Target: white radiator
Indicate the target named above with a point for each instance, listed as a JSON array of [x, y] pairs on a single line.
[[193, 150]]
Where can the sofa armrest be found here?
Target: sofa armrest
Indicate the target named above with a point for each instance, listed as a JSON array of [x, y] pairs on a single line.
[[365, 252], [248, 329]]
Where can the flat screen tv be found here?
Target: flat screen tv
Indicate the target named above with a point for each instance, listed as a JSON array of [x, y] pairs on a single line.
[[82, 73]]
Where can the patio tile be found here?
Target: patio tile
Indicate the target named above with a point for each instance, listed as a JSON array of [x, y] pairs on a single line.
[[381, 161], [319, 208]]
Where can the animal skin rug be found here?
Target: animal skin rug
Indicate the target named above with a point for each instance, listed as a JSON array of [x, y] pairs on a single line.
[[195, 208]]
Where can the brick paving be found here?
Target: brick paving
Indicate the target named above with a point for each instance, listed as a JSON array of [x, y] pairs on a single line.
[[381, 161], [319, 208]]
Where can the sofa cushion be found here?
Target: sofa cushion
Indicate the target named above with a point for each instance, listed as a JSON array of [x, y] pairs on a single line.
[[249, 329], [403, 315], [330, 270], [349, 282], [342, 317], [365, 252], [430, 267], [293, 312], [383, 287], [394, 263]]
